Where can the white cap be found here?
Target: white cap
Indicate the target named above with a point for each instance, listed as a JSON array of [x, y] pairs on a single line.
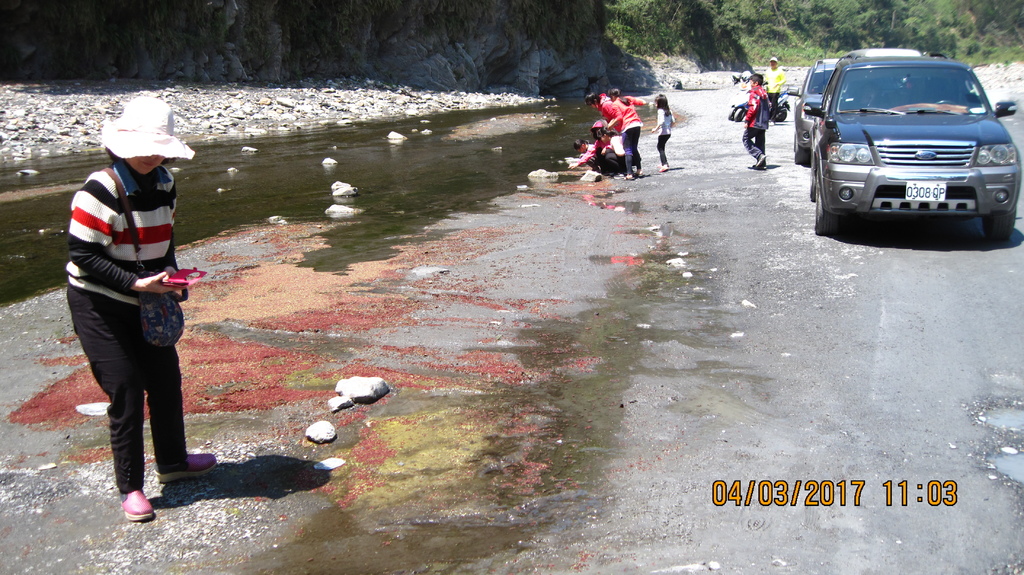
[[145, 128]]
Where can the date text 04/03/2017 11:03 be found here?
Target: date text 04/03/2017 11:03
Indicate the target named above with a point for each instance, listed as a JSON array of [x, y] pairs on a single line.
[[813, 493]]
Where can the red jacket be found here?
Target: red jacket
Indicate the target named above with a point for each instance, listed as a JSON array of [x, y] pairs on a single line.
[[753, 102], [617, 110]]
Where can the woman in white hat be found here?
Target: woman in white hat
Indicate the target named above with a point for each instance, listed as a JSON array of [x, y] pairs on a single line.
[[105, 275]]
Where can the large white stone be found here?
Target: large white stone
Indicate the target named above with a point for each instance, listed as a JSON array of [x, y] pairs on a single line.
[[363, 389], [343, 189], [321, 432], [543, 175], [339, 402], [340, 211]]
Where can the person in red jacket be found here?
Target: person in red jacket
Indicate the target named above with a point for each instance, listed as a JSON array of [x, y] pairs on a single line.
[[756, 121], [624, 119]]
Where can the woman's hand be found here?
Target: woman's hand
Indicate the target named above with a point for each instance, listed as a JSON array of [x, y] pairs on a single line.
[[155, 284]]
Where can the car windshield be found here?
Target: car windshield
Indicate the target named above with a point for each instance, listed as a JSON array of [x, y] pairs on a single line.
[[819, 77], [910, 90]]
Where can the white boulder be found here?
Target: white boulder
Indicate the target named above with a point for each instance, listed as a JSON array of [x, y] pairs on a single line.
[[543, 175], [396, 137], [340, 211], [321, 432], [362, 389], [343, 189], [339, 402]]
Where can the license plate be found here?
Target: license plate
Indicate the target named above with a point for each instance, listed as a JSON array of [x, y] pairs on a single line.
[[926, 191]]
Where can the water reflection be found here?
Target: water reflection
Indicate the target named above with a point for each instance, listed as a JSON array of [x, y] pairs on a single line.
[[402, 187]]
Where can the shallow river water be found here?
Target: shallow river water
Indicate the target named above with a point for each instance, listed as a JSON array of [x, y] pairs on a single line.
[[468, 158]]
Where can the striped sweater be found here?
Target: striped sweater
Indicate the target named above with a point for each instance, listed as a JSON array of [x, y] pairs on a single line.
[[102, 255]]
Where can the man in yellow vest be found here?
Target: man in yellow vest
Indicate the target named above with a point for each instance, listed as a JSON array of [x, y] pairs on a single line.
[[774, 80]]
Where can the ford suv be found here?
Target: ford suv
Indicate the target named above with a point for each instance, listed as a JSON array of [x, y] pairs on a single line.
[[911, 136]]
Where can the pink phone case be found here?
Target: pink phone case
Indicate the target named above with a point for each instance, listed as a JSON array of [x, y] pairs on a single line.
[[185, 277]]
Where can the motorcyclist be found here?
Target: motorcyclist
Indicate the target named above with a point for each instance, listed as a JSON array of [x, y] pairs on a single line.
[[775, 80]]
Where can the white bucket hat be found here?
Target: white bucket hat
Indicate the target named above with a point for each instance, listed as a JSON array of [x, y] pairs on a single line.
[[145, 128]]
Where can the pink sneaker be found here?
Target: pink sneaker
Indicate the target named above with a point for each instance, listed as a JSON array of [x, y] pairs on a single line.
[[663, 169], [194, 466], [136, 507]]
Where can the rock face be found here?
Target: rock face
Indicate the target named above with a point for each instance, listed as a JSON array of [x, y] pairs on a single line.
[[536, 48]]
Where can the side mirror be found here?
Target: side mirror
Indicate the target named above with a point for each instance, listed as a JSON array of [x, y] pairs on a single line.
[[1005, 109], [812, 110], [794, 92]]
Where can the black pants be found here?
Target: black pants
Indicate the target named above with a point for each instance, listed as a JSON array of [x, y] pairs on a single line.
[[753, 141], [662, 140], [611, 163], [132, 373], [631, 141]]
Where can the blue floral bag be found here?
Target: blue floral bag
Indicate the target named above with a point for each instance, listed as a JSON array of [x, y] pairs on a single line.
[[162, 319]]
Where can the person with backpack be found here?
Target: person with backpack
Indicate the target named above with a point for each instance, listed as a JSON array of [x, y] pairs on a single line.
[[756, 122]]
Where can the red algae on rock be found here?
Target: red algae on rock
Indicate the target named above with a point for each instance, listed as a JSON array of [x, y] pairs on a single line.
[[54, 407], [223, 375]]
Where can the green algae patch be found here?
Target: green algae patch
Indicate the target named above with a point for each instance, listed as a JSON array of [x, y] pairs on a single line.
[[310, 379], [427, 462], [444, 462]]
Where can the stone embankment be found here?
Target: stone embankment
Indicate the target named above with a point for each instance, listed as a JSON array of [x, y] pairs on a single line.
[[65, 117]]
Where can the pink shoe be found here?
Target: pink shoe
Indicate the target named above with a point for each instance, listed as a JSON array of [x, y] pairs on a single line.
[[194, 466], [136, 507]]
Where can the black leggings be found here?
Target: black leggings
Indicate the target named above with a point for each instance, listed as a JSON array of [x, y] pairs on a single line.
[[131, 372], [662, 139], [631, 141]]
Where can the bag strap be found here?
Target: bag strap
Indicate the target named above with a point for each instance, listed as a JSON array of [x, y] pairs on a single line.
[[128, 215]]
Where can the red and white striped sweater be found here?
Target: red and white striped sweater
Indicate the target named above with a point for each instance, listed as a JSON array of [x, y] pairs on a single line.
[[102, 256]]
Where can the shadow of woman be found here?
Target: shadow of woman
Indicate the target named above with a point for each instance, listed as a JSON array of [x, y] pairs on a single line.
[[269, 476]]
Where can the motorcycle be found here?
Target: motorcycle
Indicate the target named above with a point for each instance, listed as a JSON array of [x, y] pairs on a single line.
[[782, 109], [739, 110]]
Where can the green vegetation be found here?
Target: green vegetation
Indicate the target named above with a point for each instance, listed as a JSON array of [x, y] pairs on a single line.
[[800, 31]]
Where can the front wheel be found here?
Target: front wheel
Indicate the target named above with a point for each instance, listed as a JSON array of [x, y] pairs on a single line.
[[825, 222], [737, 114], [998, 228], [780, 115], [802, 156]]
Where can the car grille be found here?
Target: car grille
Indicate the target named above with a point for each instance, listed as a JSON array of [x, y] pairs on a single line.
[[926, 153]]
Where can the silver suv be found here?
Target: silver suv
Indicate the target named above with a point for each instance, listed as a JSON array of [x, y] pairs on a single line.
[[808, 93], [911, 136]]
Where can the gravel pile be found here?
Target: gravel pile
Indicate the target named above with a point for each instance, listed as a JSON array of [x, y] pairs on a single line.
[[65, 117]]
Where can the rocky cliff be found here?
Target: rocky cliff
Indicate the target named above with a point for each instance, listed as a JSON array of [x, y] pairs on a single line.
[[529, 46]]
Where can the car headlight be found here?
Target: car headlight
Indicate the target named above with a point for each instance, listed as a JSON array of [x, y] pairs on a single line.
[[997, 155], [850, 154]]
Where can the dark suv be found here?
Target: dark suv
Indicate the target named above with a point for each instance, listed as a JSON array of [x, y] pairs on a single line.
[[911, 136]]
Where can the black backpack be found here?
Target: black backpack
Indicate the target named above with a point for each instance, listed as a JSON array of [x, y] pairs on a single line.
[[764, 113]]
